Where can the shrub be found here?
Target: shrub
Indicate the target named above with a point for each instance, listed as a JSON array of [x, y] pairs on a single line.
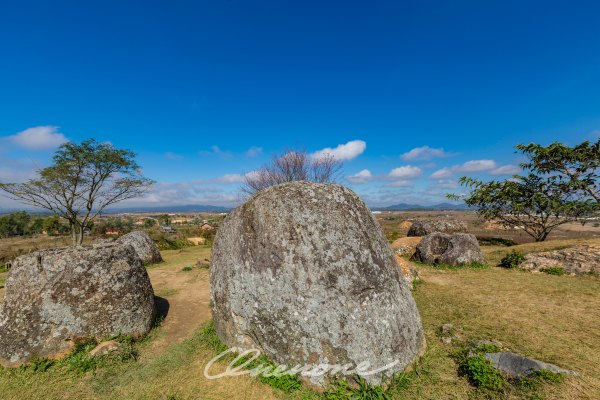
[[479, 370], [392, 236], [482, 374], [187, 268], [553, 270], [494, 241], [512, 259]]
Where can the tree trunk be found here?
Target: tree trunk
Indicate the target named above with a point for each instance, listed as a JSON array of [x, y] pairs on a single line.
[[80, 236], [73, 234], [76, 234]]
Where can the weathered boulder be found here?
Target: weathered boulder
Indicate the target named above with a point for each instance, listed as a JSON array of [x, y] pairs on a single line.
[[303, 272], [426, 227], [580, 259], [144, 246], [441, 248], [53, 298]]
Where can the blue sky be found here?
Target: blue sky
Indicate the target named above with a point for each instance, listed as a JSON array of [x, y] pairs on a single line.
[[206, 91]]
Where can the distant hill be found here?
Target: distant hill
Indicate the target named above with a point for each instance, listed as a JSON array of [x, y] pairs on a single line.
[[419, 207], [170, 209]]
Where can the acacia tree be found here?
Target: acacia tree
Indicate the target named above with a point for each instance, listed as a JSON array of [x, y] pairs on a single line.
[[82, 181], [578, 167], [534, 203], [293, 165]]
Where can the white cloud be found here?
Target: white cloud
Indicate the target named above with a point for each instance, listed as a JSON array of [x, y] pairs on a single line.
[[476, 166], [343, 152], [446, 184], [230, 178], [173, 156], [254, 151], [508, 169], [39, 138], [405, 172], [424, 153], [468, 167], [442, 173], [400, 183], [363, 176]]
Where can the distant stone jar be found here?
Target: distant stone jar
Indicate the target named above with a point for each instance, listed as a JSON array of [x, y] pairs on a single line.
[[426, 227], [54, 298], [457, 249], [144, 246], [304, 273]]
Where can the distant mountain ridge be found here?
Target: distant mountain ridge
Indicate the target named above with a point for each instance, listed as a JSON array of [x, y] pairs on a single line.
[[419, 207], [174, 209], [207, 208]]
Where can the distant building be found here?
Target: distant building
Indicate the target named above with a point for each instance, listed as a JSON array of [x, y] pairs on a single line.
[[206, 226], [181, 220], [167, 229], [113, 231]]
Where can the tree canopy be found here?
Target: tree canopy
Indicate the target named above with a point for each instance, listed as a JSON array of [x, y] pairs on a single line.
[[560, 186], [532, 203], [294, 165], [577, 166], [83, 180]]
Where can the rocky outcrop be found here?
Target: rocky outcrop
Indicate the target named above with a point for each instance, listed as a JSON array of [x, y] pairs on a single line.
[[516, 365], [441, 248], [54, 298], [144, 246], [426, 227], [304, 273], [409, 274], [580, 259], [406, 246]]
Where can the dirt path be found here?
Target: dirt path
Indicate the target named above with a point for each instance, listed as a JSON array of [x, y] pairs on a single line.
[[187, 296]]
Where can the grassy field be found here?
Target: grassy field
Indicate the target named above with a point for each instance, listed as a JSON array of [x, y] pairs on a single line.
[[551, 318]]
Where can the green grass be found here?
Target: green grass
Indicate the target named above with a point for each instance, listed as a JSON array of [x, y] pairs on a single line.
[[458, 267], [554, 271]]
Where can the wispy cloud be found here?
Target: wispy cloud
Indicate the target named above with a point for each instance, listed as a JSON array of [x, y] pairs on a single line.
[[173, 156], [363, 176], [230, 178], [215, 151], [424, 153], [401, 183], [343, 152], [39, 138], [442, 173], [509, 169], [468, 167], [254, 151], [476, 166]]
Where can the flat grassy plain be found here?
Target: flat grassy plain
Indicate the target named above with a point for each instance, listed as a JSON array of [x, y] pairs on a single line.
[[552, 318]]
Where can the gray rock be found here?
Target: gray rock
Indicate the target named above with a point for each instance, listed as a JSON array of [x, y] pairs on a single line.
[[582, 259], [54, 298], [303, 272], [516, 365], [447, 328], [446, 340], [426, 227], [456, 249], [144, 246]]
